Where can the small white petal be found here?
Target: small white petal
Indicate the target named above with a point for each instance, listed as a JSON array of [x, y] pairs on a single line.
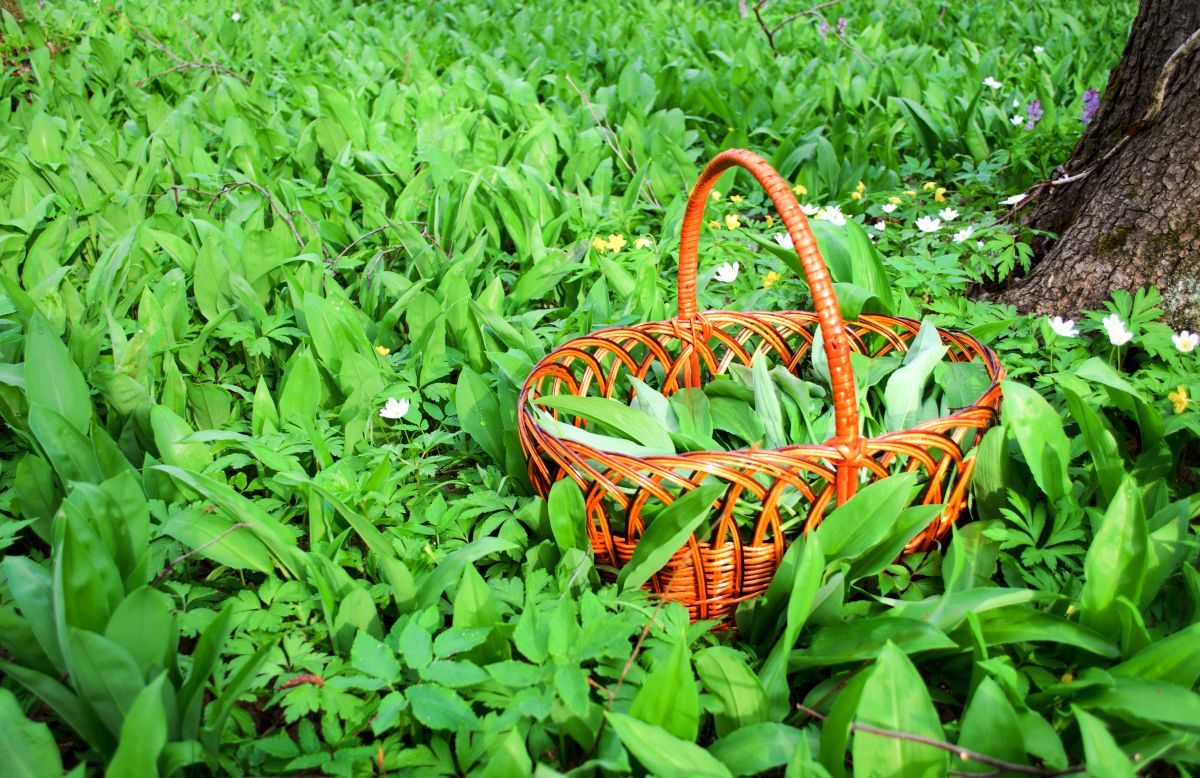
[[929, 224], [888, 208], [949, 214], [394, 409], [785, 240], [833, 215], [963, 234], [237, 17], [727, 272], [809, 210], [992, 83], [1065, 328], [1038, 49], [1016, 103], [880, 225], [1017, 120]]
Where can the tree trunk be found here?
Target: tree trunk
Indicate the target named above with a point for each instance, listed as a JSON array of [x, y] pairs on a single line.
[[1135, 219]]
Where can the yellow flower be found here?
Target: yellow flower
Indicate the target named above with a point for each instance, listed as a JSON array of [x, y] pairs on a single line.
[[929, 185], [1179, 398], [800, 189], [1067, 678], [714, 224], [856, 195], [910, 193], [616, 243], [729, 128], [770, 279], [894, 200], [382, 351], [860, 188], [732, 222], [642, 242], [735, 198], [770, 222], [715, 195], [940, 194], [599, 244]]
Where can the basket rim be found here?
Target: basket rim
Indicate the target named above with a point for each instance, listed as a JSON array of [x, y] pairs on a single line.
[[995, 369]]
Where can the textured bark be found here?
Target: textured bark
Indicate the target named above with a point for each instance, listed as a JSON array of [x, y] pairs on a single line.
[[1134, 220]]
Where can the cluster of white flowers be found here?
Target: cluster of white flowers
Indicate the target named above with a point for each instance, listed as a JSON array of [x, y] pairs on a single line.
[[1119, 334]]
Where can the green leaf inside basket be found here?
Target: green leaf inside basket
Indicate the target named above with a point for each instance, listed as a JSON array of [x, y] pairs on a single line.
[[667, 533], [615, 416]]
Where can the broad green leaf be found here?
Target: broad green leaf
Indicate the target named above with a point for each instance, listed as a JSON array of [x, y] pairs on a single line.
[[993, 472], [1145, 700], [727, 674], [667, 533], [1020, 624], [855, 641], [1173, 659], [1116, 561], [568, 518], [219, 539], [905, 388], [479, 413], [1101, 441], [895, 698], [27, 749], [971, 557], [437, 707], [989, 726], [105, 674], [371, 656], [662, 753], [757, 748], [144, 624], [143, 735], [668, 697], [613, 416], [52, 379], [654, 404], [301, 395], [766, 403], [806, 580], [608, 443], [867, 517], [1105, 759], [170, 431], [1038, 430]]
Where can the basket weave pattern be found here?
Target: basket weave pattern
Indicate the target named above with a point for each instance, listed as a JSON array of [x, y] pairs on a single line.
[[736, 558]]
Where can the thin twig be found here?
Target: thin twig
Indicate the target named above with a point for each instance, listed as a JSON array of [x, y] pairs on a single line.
[[180, 62], [234, 185], [358, 240], [1152, 112], [965, 754], [183, 557], [312, 227], [610, 137]]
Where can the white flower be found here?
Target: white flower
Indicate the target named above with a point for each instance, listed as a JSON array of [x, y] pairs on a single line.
[[888, 208], [1038, 49], [1016, 103], [394, 409], [949, 214], [833, 215], [979, 243], [1013, 200], [1065, 328], [727, 272], [237, 17], [963, 234], [1017, 120], [785, 240], [929, 224], [809, 210], [1118, 334], [880, 225], [1186, 341], [992, 83]]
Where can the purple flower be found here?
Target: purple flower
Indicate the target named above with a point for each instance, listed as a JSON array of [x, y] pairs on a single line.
[[842, 22], [742, 9], [1033, 113], [1091, 104], [824, 28]]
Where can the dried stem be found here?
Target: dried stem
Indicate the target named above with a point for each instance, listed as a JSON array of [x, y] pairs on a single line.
[[180, 63], [610, 137], [965, 754], [771, 32]]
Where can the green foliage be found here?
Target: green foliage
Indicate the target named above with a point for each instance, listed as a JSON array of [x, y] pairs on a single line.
[[220, 557]]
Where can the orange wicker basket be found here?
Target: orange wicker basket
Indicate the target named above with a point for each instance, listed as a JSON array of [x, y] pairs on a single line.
[[737, 560]]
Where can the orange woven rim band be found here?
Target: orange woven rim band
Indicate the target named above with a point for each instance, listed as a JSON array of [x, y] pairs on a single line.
[[820, 284]]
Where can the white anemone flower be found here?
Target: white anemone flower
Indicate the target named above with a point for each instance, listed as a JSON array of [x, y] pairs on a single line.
[[888, 207], [1118, 333], [727, 272], [1016, 103], [237, 17], [949, 214], [1038, 49], [809, 210], [394, 409], [1186, 341], [929, 224], [992, 83], [785, 240], [1066, 328], [1017, 120], [963, 234], [1013, 200], [880, 225], [833, 215]]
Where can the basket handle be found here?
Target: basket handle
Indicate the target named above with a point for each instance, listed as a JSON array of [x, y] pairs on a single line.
[[829, 315]]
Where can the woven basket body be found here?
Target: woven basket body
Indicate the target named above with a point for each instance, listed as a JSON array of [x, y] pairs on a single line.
[[772, 496]]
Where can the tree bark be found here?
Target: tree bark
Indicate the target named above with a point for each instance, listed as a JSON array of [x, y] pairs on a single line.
[[1135, 219]]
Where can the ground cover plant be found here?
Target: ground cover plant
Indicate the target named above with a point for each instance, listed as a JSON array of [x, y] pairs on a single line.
[[271, 278]]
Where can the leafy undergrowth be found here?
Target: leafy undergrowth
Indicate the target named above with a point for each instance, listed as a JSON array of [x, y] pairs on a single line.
[[228, 244]]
